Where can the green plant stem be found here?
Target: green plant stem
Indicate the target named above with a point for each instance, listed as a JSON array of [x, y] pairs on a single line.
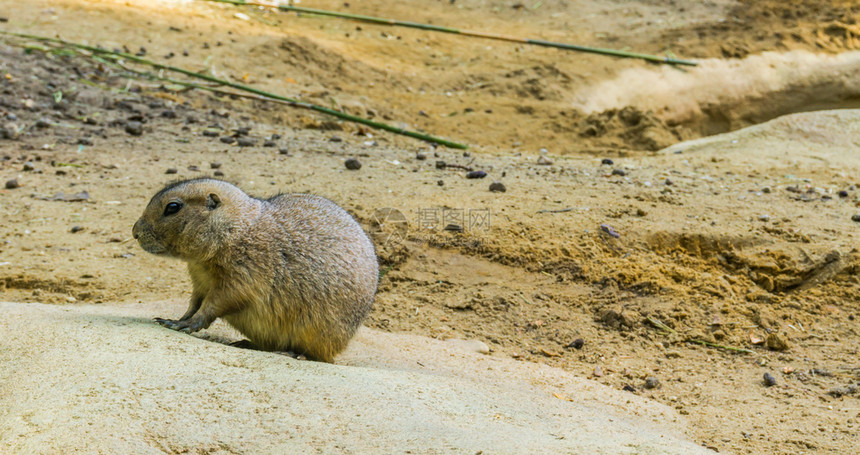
[[264, 94], [488, 35]]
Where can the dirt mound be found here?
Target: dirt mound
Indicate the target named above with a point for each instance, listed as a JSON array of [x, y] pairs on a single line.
[[725, 95]]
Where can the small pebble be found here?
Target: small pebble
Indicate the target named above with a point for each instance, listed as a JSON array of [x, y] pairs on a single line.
[[544, 161], [168, 114], [76, 229], [628, 388], [246, 141], [85, 141], [269, 144], [769, 380], [669, 182], [28, 166], [12, 184], [335, 139], [134, 128], [420, 156], [193, 168], [218, 174], [43, 123], [764, 217], [9, 131], [843, 193], [284, 151], [440, 165], [211, 133], [765, 190], [576, 344], [607, 162], [651, 382], [171, 170], [598, 372], [352, 164], [856, 217], [215, 165], [620, 172], [476, 175], [609, 230], [275, 137], [228, 139], [440, 183], [498, 187]]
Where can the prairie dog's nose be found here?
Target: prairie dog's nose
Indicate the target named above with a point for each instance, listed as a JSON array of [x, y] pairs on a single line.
[[134, 230]]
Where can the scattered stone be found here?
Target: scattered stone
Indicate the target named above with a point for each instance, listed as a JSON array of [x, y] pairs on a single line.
[[214, 165], [837, 392], [498, 187], [628, 388], [12, 184], [843, 194], [668, 182], [218, 174], [618, 318], [765, 190], [856, 217], [28, 166], [651, 382], [607, 162], [245, 141], [284, 151], [619, 172], [9, 131], [420, 156], [228, 139], [85, 141], [193, 168], [352, 164], [769, 380], [609, 230], [168, 113], [211, 133], [134, 128], [440, 183], [171, 170], [764, 217], [441, 165], [476, 175], [544, 161], [63, 197], [43, 123], [454, 228], [776, 342], [76, 229], [275, 137], [269, 143], [598, 372], [576, 344], [335, 139]]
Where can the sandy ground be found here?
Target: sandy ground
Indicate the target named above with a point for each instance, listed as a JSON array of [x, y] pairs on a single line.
[[744, 239], [119, 384]]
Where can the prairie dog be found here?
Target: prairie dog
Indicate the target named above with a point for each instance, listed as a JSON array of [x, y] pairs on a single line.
[[294, 272]]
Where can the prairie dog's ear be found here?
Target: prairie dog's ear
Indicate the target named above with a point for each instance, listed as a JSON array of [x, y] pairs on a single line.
[[213, 201]]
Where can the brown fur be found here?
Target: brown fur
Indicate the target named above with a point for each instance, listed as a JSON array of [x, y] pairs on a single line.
[[292, 273]]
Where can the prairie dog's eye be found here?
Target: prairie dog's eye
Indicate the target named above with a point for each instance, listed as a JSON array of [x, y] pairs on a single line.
[[172, 208]]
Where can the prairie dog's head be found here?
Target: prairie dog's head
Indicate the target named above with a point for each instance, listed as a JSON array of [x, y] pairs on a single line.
[[190, 220]]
